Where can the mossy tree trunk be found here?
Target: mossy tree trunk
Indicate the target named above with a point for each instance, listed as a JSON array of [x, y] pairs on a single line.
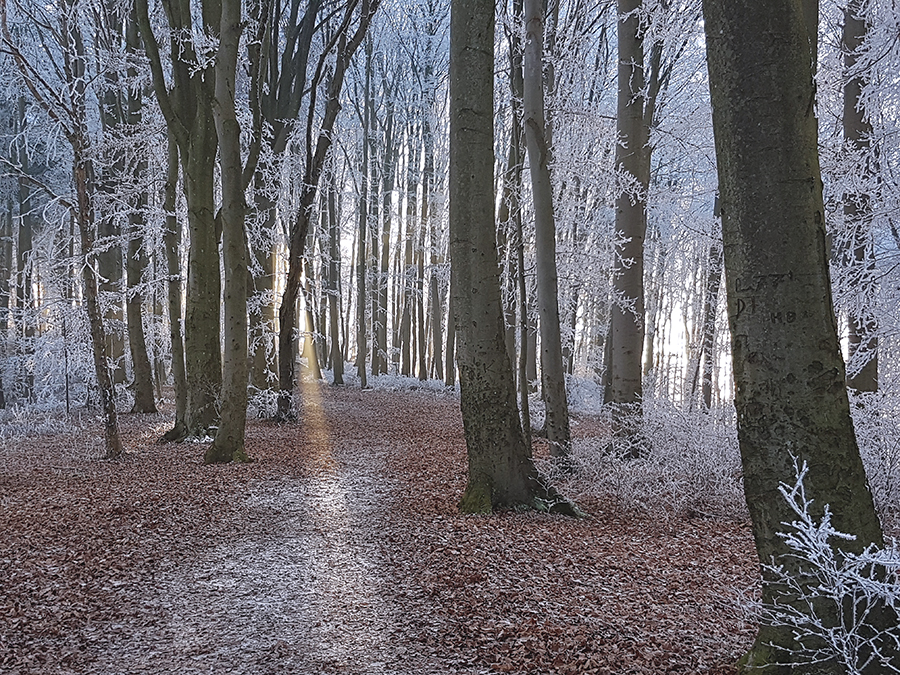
[[187, 108], [789, 377]]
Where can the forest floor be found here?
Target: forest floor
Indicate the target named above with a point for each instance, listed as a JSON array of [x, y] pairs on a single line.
[[340, 550]]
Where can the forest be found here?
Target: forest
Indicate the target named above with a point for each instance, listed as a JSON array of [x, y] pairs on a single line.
[[588, 266]]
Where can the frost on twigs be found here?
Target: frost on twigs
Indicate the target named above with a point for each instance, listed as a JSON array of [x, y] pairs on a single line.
[[842, 606], [689, 464]]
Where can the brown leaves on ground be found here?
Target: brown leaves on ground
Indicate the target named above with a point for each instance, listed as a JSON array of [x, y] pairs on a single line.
[[340, 550]]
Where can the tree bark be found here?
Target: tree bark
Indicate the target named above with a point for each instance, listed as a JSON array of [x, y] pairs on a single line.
[[859, 256], [790, 394], [175, 295], [138, 260], [627, 314], [501, 471], [228, 444], [187, 108], [553, 370]]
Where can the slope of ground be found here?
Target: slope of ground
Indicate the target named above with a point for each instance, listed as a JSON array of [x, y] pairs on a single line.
[[340, 550]]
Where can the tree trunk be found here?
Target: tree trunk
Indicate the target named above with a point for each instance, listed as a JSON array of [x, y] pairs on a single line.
[[553, 370], [362, 261], [138, 260], [859, 256], [6, 265], [24, 300], [228, 444], [187, 108], [627, 315], [202, 348], [790, 394], [172, 244], [501, 471], [334, 280], [409, 268]]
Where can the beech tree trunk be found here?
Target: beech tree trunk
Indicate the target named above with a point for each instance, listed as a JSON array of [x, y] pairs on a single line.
[[175, 294], [187, 108], [553, 370], [501, 471], [859, 256], [228, 444], [138, 260], [626, 334], [790, 394]]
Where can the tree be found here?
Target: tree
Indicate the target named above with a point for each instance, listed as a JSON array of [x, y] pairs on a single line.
[[68, 109], [553, 371], [501, 471], [228, 444], [186, 101], [345, 45], [791, 400], [863, 341], [626, 330]]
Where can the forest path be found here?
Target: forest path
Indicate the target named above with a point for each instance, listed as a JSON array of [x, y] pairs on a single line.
[[340, 550]]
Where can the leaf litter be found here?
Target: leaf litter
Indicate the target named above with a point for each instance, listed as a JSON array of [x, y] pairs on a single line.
[[341, 550]]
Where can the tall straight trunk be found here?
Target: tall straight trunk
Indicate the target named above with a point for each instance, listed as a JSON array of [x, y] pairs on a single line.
[[175, 295], [202, 348], [137, 261], [409, 268], [6, 267], [501, 471], [136, 265], [388, 177], [790, 394], [553, 370], [436, 312], [24, 299], [420, 276], [228, 444], [702, 377], [860, 258], [362, 260], [714, 281], [334, 279], [627, 316]]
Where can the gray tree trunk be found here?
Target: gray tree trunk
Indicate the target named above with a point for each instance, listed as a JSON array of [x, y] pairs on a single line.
[[228, 444], [334, 280], [175, 294], [138, 260], [789, 377], [859, 257], [501, 471], [553, 369], [626, 334]]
